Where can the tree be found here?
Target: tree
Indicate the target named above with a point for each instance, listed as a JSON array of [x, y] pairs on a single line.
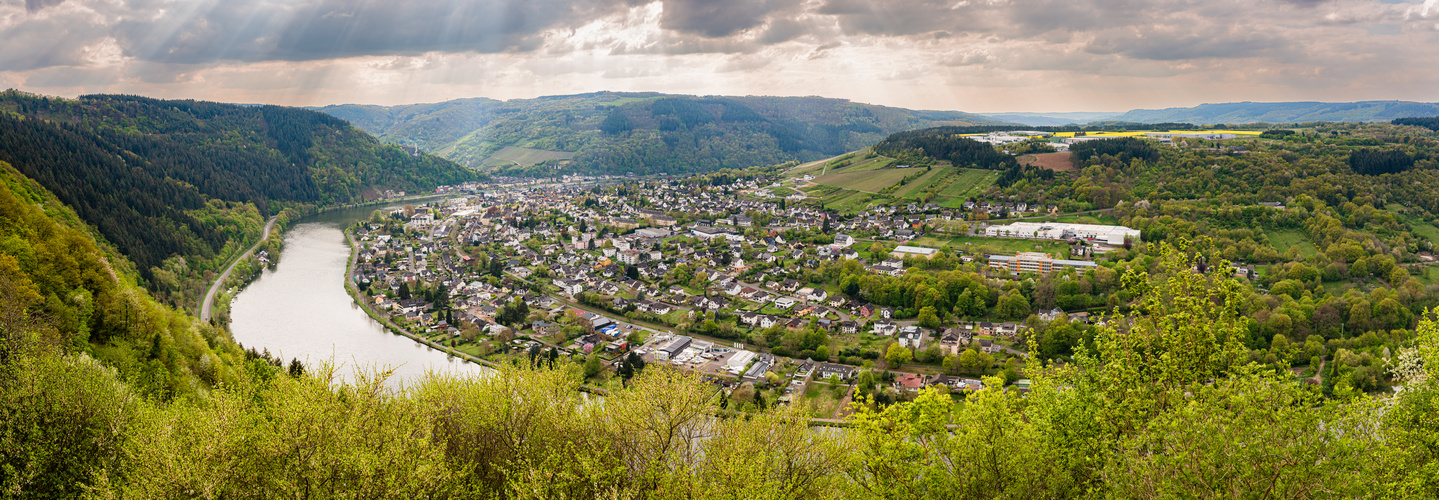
[[405, 290], [928, 318], [968, 361], [897, 355], [592, 365], [635, 361], [1013, 306], [931, 355]]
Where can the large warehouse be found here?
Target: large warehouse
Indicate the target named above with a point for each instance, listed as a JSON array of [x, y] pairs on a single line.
[[1113, 235]]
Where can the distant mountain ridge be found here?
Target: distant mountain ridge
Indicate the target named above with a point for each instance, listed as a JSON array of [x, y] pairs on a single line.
[[1239, 112], [1052, 119], [641, 132], [1283, 112]]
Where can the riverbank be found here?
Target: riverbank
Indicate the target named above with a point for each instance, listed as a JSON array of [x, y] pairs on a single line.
[[354, 293], [206, 304], [215, 303]]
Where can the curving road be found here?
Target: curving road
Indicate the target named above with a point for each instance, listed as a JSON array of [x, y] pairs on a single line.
[[220, 280]]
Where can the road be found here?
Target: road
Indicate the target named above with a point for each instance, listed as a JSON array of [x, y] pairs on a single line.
[[214, 290]]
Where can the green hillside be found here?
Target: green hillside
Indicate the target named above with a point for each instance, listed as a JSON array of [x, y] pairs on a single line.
[[852, 182], [186, 179], [612, 132]]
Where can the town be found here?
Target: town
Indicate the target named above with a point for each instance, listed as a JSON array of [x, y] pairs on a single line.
[[773, 299]]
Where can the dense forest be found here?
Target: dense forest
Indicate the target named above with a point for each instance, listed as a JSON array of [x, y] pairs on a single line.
[[942, 144], [1431, 123], [1123, 148], [642, 133], [164, 179]]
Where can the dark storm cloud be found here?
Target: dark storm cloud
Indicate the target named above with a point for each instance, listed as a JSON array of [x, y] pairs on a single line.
[[1172, 45], [34, 5], [719, 18], [254, 31]]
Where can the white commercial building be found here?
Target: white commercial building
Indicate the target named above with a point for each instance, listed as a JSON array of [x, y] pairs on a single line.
[[1113, 235], [738, 361], [901, 251]]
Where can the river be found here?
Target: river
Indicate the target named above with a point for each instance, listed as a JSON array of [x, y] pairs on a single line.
[[300, 310]]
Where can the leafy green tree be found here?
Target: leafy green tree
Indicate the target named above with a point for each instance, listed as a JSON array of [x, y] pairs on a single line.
[[897, 355], [592, 365], [928, 318]]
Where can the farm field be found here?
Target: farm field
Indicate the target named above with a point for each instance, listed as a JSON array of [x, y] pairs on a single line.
[[849, 162], [867, 181], [1283, 239], [1054, 161], [848, 201], [918, 186], [510, 155], [861, 165], [967, 183]]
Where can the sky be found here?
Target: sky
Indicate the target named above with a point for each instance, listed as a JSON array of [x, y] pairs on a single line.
[[967, 55]]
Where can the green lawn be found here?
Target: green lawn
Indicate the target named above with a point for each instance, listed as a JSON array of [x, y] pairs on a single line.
[[1283, 239]]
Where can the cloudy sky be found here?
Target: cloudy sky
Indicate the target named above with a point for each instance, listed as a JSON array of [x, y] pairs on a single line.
[[969, 55]]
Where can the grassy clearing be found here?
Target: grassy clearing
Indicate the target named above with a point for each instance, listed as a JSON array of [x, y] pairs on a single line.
[[620, 101], [511, 155], [1283, 239], [821, 399], [982, 245], [1426, 230], [1428, 275], [930, 241]]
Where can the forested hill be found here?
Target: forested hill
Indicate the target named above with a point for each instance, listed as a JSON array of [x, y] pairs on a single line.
[[613, 132], [172, 178], [1283, 112]]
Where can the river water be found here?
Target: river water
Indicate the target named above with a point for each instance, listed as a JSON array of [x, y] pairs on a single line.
[[301, 310]]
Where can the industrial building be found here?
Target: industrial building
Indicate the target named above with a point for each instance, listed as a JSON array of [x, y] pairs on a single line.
[[1113, 235], [1035, 262]]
